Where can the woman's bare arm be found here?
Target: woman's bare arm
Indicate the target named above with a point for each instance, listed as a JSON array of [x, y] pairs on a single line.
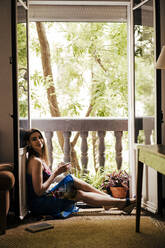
[[37, 179]]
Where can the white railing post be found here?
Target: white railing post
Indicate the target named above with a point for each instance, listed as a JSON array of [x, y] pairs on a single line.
[[84, 150], [101, 135], [147, 134], [67, 147], [83, 126], [49, 135], [118, 147]]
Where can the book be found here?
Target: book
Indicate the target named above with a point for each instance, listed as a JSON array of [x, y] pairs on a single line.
[[39, 227]]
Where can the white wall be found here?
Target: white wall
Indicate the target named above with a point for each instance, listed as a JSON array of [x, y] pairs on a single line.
[[6, 105]]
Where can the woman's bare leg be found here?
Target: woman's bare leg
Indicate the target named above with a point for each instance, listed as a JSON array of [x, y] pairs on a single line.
[[81, 185], [96, 199]]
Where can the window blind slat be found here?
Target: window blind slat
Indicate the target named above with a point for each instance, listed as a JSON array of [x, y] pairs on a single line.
[[75, 13]]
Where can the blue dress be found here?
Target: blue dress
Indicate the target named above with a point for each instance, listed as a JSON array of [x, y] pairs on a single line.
[[57, 202]]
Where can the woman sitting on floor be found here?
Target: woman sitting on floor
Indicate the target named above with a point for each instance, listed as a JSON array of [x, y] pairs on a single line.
[[60, 200]]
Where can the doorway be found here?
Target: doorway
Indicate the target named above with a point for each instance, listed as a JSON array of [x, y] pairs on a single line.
[[112, 10]]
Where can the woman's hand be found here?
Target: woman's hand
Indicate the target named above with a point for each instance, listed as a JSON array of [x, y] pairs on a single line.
[[62, 167]]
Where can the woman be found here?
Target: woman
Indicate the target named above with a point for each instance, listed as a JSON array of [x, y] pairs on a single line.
[[60, 200]]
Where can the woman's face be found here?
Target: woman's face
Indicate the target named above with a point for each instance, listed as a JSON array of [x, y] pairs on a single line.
[[36, 142]]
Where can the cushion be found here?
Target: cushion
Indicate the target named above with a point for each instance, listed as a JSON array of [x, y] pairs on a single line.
[[6, 166], [7, 180]]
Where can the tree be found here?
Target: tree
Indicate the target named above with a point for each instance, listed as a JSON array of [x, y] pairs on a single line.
[[90, 57], [103, 48], [90, 47], [144, 70], [22, 69], [51, 93]]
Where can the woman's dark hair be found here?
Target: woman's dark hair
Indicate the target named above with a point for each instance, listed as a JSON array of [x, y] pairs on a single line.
[[31, 151]]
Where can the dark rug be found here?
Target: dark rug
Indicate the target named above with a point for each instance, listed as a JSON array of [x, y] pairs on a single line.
[[89, 230]]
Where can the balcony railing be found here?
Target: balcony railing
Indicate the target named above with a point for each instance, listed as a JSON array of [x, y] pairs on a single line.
[[83, 126]]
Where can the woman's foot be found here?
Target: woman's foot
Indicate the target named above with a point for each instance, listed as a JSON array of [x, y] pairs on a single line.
[[129, 206], [106, 208], [126, 206]]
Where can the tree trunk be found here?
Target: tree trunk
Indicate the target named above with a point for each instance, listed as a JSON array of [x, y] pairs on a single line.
[[47, 71], [51, 93]]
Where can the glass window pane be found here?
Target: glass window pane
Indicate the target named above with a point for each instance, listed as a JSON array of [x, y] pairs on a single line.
[[22, 66], [144, 71]]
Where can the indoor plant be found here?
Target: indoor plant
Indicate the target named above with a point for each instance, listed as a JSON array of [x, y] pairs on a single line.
[[117, 184]]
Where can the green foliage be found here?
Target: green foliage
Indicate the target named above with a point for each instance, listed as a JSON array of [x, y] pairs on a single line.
[[73, 109], [144, 42], [39, 99], [22, 45], [144, 71], [34, 42], [22, 70], [95, 180], [89, 62], [103, 48], [116, 179], [103, 177]]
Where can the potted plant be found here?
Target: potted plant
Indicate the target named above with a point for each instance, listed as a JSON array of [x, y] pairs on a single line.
[[117, 184]]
